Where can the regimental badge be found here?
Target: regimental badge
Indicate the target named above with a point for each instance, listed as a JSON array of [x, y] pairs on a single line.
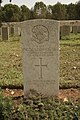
[[40, 34]]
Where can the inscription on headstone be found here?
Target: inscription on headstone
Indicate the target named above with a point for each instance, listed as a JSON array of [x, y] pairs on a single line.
[[41, 66], [40, 34], [40, 40]]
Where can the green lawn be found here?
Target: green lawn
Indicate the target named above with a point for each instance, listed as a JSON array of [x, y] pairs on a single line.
[[70, 63], [11, 63]]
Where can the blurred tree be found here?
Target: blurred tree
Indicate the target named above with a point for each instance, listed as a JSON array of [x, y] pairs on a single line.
[[71, 11], [77, 7], [25, 13], [1, 15], [49, 12], [40, 10], [11, 13], [59, 11], [32, 13]]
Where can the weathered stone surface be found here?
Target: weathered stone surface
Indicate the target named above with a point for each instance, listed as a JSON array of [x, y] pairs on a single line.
[[40, 40]]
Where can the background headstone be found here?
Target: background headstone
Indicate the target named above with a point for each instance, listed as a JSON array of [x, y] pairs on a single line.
[[78, 29], [19, 31], [15, 30], [74, 29], [40, 40], [12, 30], [5, 33], [64, 30], [0, 31], [70, 29], [0, 34]]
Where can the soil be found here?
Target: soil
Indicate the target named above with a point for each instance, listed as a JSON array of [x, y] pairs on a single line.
[[64, 94]]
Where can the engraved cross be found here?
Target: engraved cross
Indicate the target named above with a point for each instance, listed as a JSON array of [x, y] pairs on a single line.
[[41, 67]]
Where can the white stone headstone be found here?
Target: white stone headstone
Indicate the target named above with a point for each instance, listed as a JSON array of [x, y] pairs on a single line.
[[40, 39]]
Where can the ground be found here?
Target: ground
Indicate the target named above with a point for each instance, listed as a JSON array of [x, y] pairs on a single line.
[[63, 93]]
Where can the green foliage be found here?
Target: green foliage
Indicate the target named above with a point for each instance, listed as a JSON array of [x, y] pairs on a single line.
[[25, 13], [9, 111], [71, 12], [6, 107], [49, 12], [40, 10], [13, 13], [38, 108], [59, 11], [77, 7], [50, 109]]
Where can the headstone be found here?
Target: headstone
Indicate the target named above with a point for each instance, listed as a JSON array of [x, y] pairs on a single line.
[[64, 30], [74, 30], [9, 30], [0, 34], [12, 30], [5, 33], [40, 40], [0, 31], [15, 30], [70, 29], [19, 31], [78, 29]]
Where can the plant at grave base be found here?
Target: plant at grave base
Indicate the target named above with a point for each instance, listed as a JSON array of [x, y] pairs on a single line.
[[53, 110], [20, 113], [8, 110], [6, 106]]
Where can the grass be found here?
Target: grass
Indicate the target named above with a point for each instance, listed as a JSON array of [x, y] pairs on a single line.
[[70, 63], [11, 63], [72, 36]]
